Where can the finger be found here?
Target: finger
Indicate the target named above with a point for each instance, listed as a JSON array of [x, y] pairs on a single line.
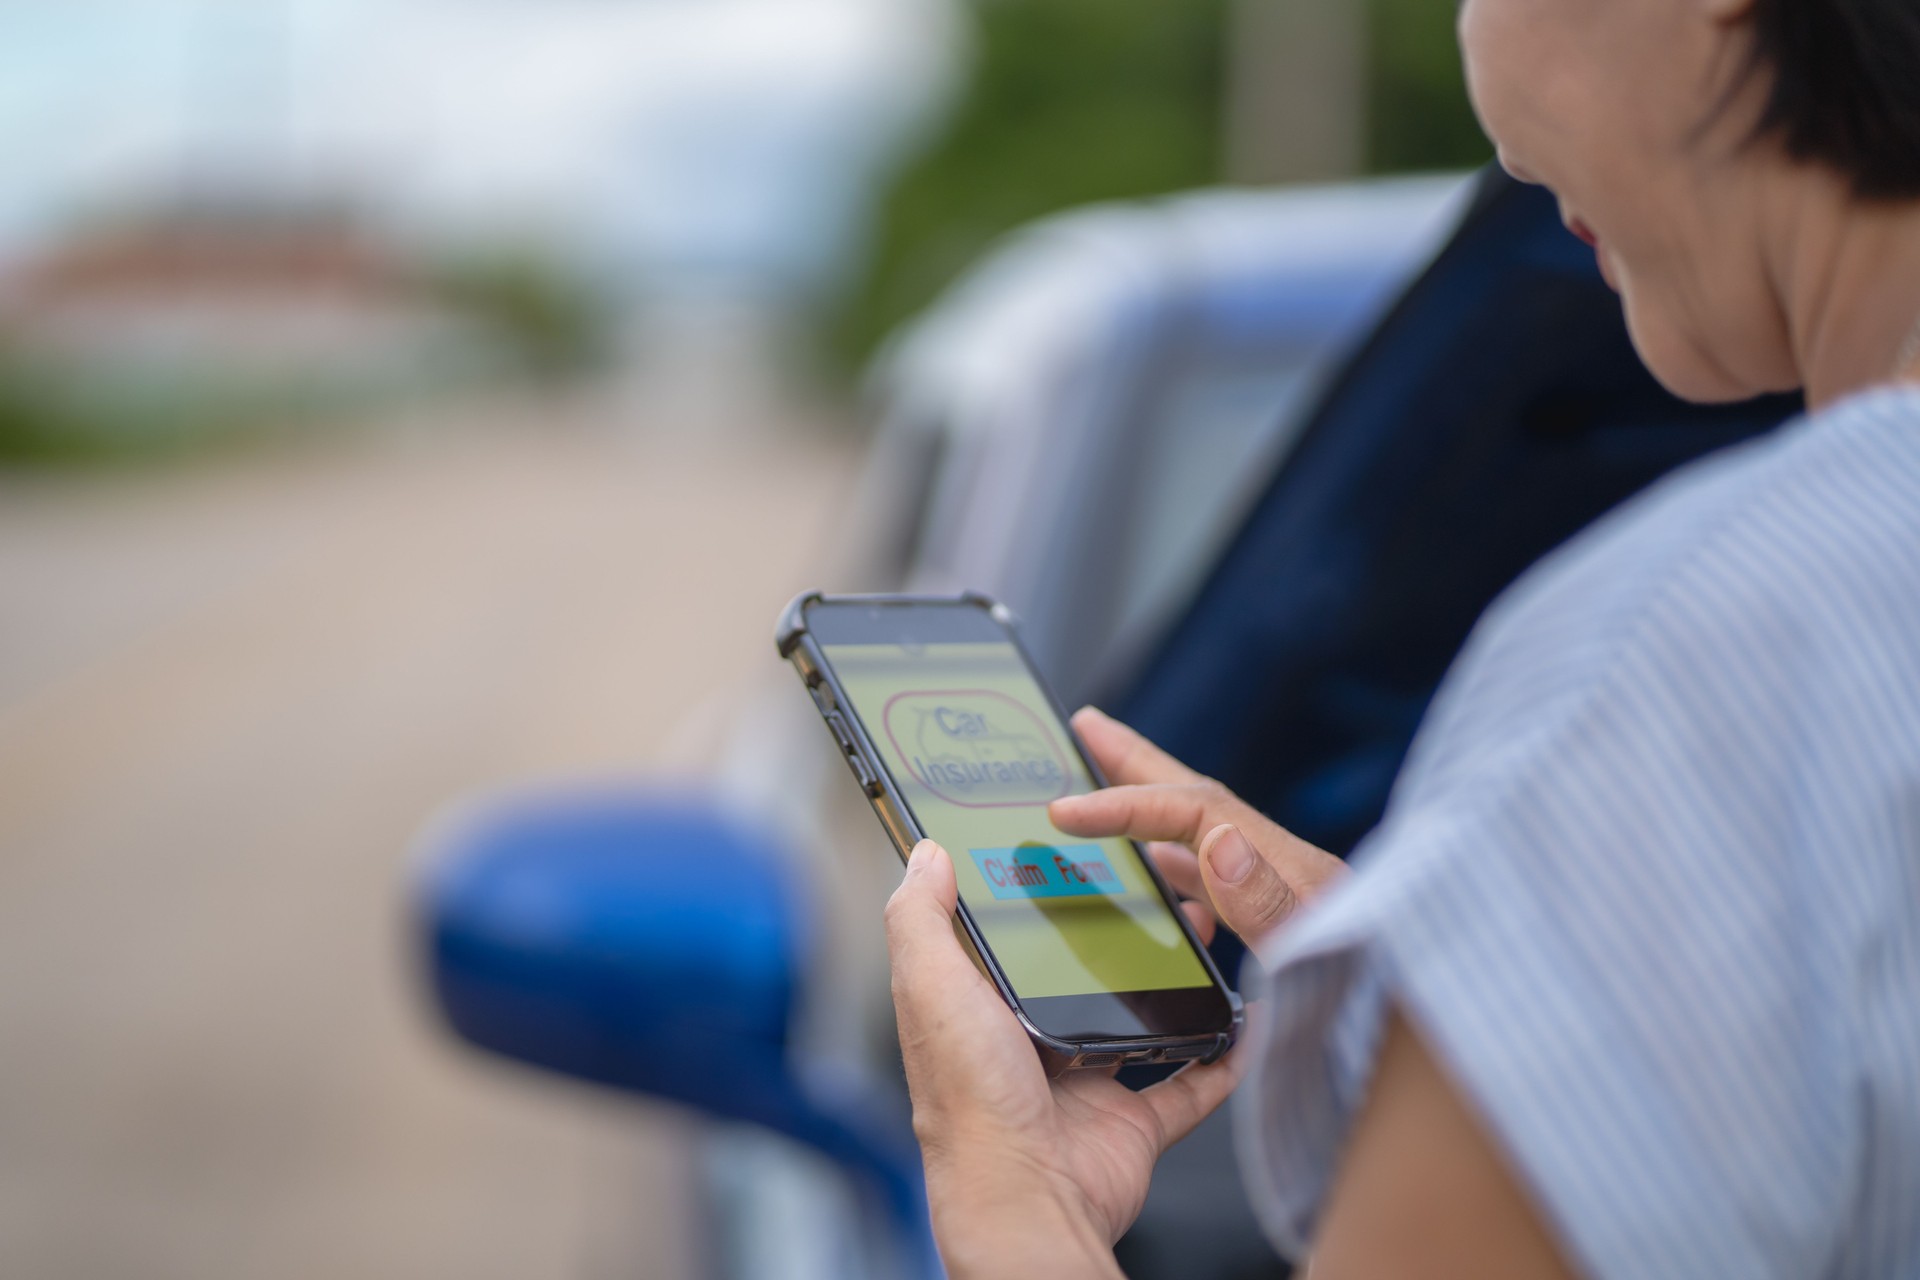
[[1125, 756], [1181, 1101], [925, 954], [1201, 916], [1249, 896], [1182, 812], [1180, 868]]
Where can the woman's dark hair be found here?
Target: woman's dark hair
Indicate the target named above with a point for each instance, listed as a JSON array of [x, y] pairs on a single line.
[[1846, 87]]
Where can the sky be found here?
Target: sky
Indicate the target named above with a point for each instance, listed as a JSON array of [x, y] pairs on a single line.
[[652, 138]]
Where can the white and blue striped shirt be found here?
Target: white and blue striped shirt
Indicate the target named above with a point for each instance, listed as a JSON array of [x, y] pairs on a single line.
[[1649, 886]]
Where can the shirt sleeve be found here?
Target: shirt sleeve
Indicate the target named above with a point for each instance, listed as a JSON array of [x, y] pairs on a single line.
[[1588, 899]]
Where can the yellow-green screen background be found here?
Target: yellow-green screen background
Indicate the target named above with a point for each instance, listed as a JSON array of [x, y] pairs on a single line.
[[976, 752]]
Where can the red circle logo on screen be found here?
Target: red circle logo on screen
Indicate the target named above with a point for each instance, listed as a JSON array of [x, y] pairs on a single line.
[[976, 748]]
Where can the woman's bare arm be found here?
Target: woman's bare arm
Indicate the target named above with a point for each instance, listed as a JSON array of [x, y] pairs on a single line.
[[1423, 1191]]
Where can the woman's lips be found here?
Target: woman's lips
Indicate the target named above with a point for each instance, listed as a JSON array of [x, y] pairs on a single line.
[[1592, 241]]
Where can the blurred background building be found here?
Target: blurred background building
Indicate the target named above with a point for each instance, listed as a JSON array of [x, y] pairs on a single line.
[[374, 380]]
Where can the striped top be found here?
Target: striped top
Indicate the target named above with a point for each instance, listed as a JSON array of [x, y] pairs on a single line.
[[1649, 886]]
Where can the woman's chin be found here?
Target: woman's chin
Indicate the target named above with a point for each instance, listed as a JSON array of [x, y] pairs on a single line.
[[1682, 369], [1679, 364], [1696, 383]]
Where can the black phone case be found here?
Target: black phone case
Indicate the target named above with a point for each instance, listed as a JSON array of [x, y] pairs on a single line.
[[798, 646]]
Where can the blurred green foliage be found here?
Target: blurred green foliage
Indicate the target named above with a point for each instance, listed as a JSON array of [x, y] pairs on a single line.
[[56, 414], [1418, 117], [1077, 101], [1072, 101]]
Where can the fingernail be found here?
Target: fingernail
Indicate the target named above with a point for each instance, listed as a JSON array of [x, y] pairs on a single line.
[[921, 855], [1230, 856], [1091, 710]]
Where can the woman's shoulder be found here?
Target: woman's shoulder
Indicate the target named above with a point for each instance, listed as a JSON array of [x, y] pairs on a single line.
[[1773, 568], [1839, 484], [1653, 861]]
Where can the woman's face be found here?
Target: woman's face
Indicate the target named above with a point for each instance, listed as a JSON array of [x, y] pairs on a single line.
[[1622, 108]]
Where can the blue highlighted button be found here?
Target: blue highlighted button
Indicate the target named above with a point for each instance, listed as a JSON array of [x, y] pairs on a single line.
[[1047, 871]]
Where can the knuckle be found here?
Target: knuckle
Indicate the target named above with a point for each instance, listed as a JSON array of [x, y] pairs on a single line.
[[899, 907], [931, 1128], [1203, 800], [1277, 901]]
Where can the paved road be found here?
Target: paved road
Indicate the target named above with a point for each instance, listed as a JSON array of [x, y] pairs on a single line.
[[229, 697]]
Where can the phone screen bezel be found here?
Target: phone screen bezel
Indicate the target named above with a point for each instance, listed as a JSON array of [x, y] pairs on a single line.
[[1177, 1013]]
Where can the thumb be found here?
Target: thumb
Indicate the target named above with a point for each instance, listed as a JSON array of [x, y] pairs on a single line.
[[1250, 896], [920, 937]]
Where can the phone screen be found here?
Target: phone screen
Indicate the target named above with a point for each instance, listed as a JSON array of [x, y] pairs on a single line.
[[977, 752]]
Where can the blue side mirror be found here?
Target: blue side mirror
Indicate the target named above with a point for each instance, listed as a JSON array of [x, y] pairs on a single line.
[[649, 942], [639, 941]]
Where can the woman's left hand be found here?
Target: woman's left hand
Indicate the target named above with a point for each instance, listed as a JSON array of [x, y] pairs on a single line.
[[1024, 1175]]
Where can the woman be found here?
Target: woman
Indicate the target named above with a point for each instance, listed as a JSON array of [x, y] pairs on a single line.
[[1628, 981]]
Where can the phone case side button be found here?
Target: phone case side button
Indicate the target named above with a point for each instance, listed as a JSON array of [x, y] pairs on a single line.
[[840, 734], [863, 774]]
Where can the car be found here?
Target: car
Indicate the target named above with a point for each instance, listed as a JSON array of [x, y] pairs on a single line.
[[1248, 465]]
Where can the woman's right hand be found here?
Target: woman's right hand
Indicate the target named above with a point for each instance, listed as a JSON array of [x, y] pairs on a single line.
[[1213, 847]]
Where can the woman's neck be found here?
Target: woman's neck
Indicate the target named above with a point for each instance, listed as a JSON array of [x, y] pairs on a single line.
[[1850, 290]]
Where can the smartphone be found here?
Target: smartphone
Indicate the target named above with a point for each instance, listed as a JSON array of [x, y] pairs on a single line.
[[952, 735]]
